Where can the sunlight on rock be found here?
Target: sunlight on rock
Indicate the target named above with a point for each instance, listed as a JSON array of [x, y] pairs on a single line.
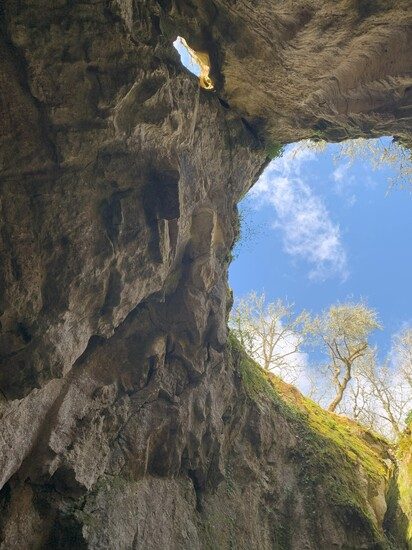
[[197, 63]]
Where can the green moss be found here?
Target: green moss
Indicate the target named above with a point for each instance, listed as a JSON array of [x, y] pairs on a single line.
[[317, 135], [274, 150], [331, 450], [237, 226]]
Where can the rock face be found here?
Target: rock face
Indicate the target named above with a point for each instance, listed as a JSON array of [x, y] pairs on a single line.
[[124, 420]]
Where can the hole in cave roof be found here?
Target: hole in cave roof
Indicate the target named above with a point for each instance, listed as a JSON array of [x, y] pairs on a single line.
[[197, 63]]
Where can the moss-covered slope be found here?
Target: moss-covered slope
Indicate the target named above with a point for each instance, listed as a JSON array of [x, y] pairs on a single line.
[[349, 465]]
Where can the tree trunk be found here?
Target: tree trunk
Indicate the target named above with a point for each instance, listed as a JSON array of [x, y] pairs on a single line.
[[341, 388]]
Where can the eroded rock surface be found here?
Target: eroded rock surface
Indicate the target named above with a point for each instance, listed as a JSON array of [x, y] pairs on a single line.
[[124, 419]]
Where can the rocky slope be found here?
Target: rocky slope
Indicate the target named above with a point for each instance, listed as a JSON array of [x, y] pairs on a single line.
[[125, 420]]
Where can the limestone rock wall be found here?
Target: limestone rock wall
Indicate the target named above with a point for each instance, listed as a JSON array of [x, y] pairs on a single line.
[[119, 180]]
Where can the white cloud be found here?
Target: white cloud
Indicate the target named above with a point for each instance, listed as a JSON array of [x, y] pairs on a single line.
[[301, 216], [340, 172], [343, 183]]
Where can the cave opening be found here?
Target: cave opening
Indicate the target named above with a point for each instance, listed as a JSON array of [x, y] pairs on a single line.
[[328, 225], [198, 63]]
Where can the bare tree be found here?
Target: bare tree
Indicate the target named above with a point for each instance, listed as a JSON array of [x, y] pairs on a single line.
[[402, 354], [377, 152], [380, 154], [343, 330], [380, 394], [353, 381], [269, 332], [391, 397], [358, 405]]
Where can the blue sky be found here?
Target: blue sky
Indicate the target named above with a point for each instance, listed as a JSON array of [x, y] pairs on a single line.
[[320, 230], [185, 58]]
